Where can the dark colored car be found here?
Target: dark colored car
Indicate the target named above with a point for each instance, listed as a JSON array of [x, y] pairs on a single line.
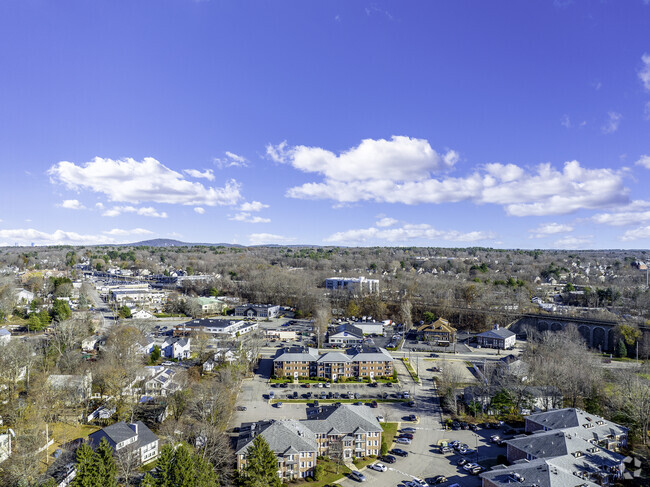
[[462, 461], [455, 425], [388, 459], [405, 435], [373, 404], [473, 427], [464, 425], [284, 385], [399, 452]]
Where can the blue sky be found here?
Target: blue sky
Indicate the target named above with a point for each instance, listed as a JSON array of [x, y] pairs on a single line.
[[503, 124]]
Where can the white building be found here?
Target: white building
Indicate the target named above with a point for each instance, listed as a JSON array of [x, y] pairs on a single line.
[[354, 284], [257, 310]]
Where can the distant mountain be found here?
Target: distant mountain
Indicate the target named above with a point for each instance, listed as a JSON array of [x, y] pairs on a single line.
[[168, 242]]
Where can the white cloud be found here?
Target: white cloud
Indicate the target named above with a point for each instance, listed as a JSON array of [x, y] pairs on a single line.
[[123, 232], [646, 111], [386, 222], [268, 238], [25, 236], [573, 242], [546, 229], [253, 206], [566, 121], [406, 233], [72, 205], [231, 160], [636, 212], [644, 72], [248, 218], [636, 234], [143, 211], [400, 159], [644, 161], [128, 180], [199, 210], [195, 173], [546, 191], [99, 205], [612, 123]]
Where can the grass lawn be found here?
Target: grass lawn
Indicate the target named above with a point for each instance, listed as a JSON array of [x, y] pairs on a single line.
[[329, 474], [390, 430], [63, 433], [409, 367]]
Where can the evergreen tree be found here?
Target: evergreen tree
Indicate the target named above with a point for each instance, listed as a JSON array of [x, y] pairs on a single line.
[[261, 465], [164, 466], [182, 474], [621, 349], [148, 481], [105, 454], [205, 474], [86, 468]]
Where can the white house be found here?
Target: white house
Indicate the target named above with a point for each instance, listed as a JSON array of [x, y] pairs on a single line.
[[88, 344], [134, 439], [142, 314], [497, 338], [257, 310], [23, 296]]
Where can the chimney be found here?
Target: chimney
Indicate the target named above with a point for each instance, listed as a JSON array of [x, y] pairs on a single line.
[[134, 427], [496, 327]]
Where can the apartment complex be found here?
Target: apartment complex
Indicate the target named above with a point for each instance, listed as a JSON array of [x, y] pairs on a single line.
[[353, 284], [346, 430], [358, 362]]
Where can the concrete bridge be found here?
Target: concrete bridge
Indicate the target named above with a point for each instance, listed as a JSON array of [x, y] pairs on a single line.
[[598, 334]]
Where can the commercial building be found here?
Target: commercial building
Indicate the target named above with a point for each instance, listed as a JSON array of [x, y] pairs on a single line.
[[215, 327], [257, 310], [497, 338], [352, 284]]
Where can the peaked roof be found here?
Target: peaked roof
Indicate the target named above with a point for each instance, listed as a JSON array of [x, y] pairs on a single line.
[[345, 418], [350, 329], [122, 431], [498, 333], [284, 437]]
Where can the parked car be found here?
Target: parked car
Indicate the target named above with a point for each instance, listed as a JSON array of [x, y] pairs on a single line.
[[380, 419], [420, 482], [495, 438], [412, 404], [388, 458], [358, 476], [241, 408], [327, 384], [413, 417], [374, 404], [406, 435], [271, 395], [473, 427], [455, 425], [438, 479], [278, 405], [399, 452], [445, 449], [403, 441], [284, 385], [315, 404], [462, 461], [379, 467], [469, 466], [476, 470], [408, 430]]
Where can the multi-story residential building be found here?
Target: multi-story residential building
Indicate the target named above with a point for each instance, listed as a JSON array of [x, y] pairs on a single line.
[[497, 338], [590, 427], [440, 331], [352, 284], [133, 440], [346, 430], [359, 362], [293, 443], [257, 310]]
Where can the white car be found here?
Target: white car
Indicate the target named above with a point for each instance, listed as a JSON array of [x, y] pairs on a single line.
[[403, 441], [380, 419], [469, 466], [420, 482], [380, 467]]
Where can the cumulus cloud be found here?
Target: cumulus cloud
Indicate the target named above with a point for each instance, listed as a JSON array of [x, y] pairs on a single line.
[[386, 222], [546, 229], [544, 191], [248, 218], [644, 161], [636, 234], [406, 233], [72, 205], [199, 210], [231, 160], [401, 159], [253, 206], [25, 236], [142, 211], [132, 181], [634, 213], [644, 72], [574, 242], [268, 238], [195, 173], [612, 123]]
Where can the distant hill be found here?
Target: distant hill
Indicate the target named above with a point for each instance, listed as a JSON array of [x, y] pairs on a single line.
[[168, 242]]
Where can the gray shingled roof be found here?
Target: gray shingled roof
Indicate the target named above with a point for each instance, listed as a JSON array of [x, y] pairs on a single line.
[[284, 437], [501, 333], [543, 445], [121, 431], [348, 328], [297, 354], [370, 354], [345, 418], [334, 357], [537, 473]]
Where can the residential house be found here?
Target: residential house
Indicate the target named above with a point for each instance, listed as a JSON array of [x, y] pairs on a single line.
[[352, 284], [160, 381], [23, 296], [132, 439], [257, 310], [358, 362], [142, 314], [88, 344], [5, 446], [345, 334], [215, 327], [75, 388], [590, 427], [346, 430], [497, 338], [178, 348], [525, 399], [440, 331]]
